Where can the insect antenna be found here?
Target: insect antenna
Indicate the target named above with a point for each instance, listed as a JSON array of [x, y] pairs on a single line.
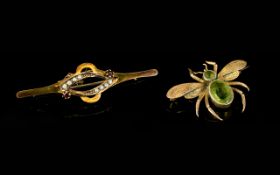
[[206, 67]]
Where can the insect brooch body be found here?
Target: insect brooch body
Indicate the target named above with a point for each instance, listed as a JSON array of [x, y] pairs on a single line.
[[213, 84]]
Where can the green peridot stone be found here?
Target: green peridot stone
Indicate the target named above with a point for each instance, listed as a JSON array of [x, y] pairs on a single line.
[[221, 93], [209, 75]]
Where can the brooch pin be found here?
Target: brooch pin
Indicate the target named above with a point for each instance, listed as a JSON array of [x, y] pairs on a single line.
[[73, 81], [216, 85]]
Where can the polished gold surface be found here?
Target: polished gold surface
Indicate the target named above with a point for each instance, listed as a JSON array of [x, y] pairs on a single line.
[[201, 89], [73, 81]]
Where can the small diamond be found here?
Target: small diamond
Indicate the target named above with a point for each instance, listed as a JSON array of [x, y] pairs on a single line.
[[66, 95], [91, 75], [69, 82], [80, 77], [106, 84], [109, 73], [101, 87], [96, 90], [68, 75], [64, 86], [89, 92], [110, 81], [74, 79]]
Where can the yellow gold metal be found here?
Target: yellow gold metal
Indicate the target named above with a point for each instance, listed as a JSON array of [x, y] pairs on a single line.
[[73, 81], [189, 90], [215, 115], [221, 96], [198, 101], [242, 98], [232, 70]]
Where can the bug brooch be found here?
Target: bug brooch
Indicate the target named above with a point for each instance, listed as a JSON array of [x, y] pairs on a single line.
[[217, 86]]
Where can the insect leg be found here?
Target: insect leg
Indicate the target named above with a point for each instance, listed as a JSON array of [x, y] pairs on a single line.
[[239, 84], [215, 66], [210, 109], [194, 76], [197, 105], [242, 97], [197, 73]]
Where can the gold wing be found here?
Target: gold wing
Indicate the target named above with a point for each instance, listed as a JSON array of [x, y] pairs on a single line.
[[232, 70], [189, 90]]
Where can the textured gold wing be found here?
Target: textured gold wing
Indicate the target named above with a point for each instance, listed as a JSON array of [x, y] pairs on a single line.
[[189, 90], [232, 70]]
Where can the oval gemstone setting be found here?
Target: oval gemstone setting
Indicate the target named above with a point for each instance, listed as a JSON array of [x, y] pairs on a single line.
[[221, 93]]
